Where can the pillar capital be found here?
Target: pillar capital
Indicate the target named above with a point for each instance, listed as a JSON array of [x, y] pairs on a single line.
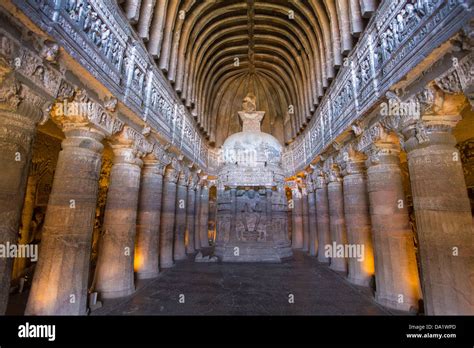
[[319, 177], [83, 112], [332, 170], [350, 160]]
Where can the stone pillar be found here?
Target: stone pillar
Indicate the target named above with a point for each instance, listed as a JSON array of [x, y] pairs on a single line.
[[305, 217], [190, 218], [168, 209], [19, 114], [179, 248], [114, 272], [204, 215], [357, 217], [297, 218], [197, 218], [146, 262], [396, 273], [443, 216], [322, 214], [312, 221], [337, 222]]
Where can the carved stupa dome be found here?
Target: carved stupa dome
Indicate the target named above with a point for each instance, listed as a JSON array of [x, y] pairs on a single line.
[[251, 146]]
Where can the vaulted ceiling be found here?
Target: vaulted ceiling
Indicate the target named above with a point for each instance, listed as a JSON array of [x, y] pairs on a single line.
[[215, 51]]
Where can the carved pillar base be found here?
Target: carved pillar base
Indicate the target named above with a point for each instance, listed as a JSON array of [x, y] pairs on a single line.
[[114, 272], [146, 262], [61, 277]]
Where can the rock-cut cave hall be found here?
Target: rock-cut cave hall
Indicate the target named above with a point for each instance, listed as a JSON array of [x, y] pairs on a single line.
[[279, 157]]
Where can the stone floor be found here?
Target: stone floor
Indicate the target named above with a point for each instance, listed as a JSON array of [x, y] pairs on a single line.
[[247, 289]]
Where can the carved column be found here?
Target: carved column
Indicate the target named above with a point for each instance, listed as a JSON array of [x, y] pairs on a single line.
[[204, 215], [305, 216], [168, 210], [396, 273], [337, 222], [61, 277], [357, 217], [312, 221], [114, 272], [20, 111], [191, 217], [197, 217], [322, 214], [179, 252], [297, 218], [443, 213], [146, 261]]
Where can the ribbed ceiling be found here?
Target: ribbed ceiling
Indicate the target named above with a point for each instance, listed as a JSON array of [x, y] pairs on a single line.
[[215, 51]]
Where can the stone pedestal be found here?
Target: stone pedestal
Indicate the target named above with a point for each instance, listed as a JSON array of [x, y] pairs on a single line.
[[204, 216], [61, 276], [197, 218], [357, 216], [322, 216], [179, 252], [146, 261], [297, 219], [190, 220], [337, 223], [114, 272], [443, 218], [312, 221], [17, 130], [168, 209], [396, 273]]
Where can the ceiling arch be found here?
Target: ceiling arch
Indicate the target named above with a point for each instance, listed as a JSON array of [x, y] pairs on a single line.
[[215, 51]]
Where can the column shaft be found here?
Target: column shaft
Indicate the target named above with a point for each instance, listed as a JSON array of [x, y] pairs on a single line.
[[322, 217], [180, 222], [357, 216], [337, 225], [305, 218], [114, 272], [204, 216], [444, 224], [168, 209], [146, 261], [190, 220], [297, 220], [16, 139], [396, 273], [313, 230], [61, 276], [197, 219]]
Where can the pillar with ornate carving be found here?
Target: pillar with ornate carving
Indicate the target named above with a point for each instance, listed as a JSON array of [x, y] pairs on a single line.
[[61, 276], [20, 111], [357, 217], [337, 223], [442, 210], [146, 262], [322, 214], [179, 249], [168, 210], [396, 273], [204, 215], [312, 221], [114, 273], [297, 217]]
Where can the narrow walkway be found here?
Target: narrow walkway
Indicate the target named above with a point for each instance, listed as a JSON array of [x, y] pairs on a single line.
[[247, 289]]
